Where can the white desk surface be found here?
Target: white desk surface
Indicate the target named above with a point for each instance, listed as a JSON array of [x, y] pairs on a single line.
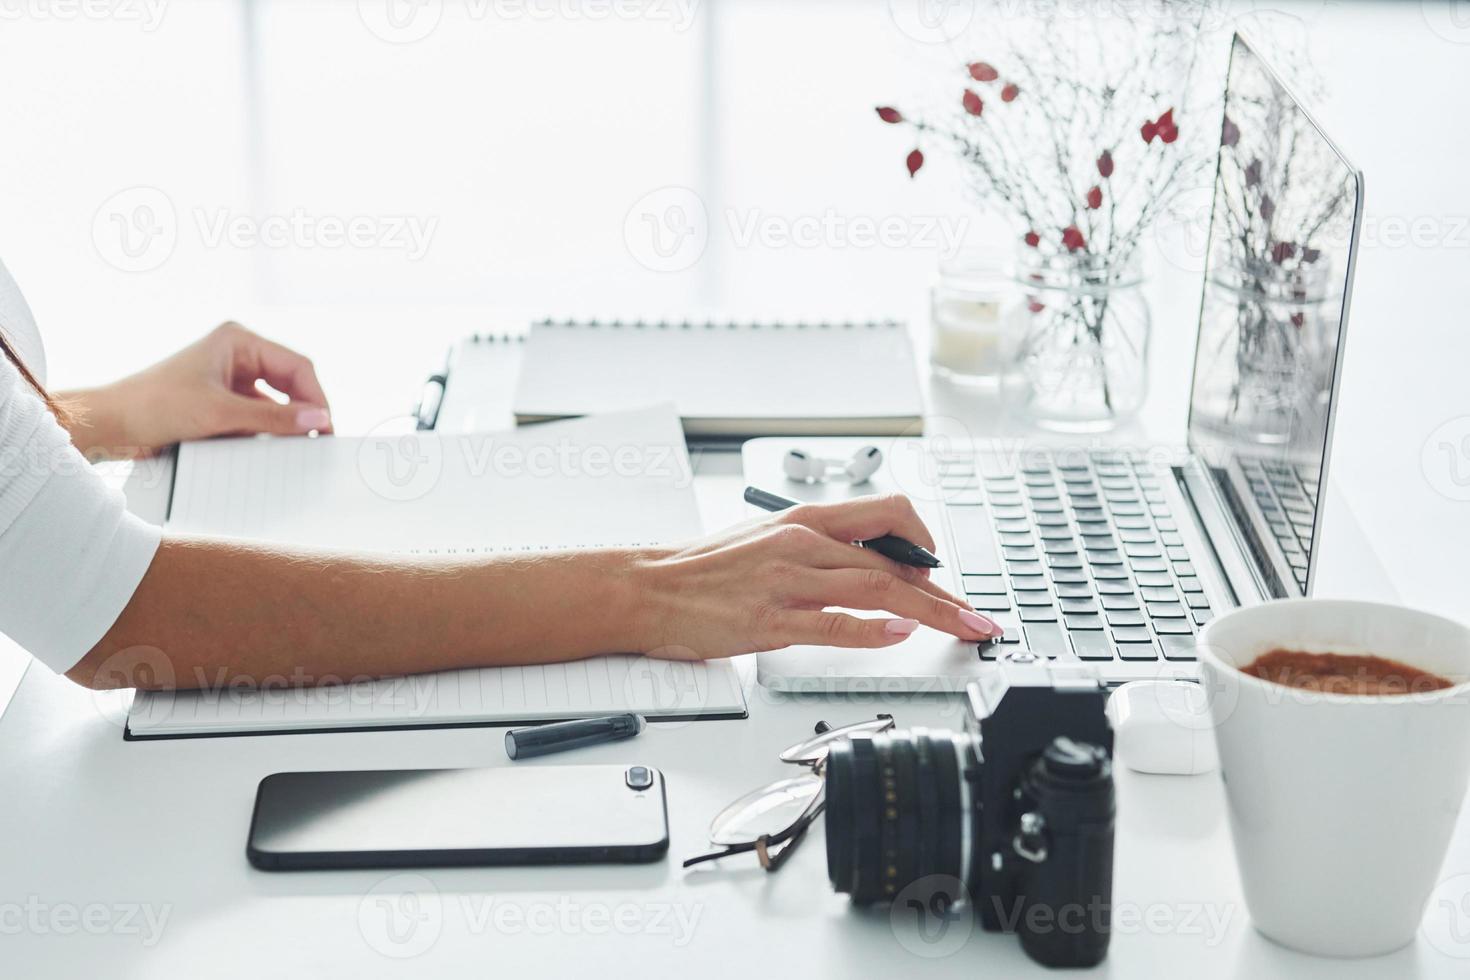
[[98, 831], [133, 829]]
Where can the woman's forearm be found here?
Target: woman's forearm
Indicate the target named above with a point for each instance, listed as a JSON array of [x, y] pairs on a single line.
[[211, 613]]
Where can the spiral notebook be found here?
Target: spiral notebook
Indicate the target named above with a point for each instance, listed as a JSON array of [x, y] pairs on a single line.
[[620, 479], [737, 380]]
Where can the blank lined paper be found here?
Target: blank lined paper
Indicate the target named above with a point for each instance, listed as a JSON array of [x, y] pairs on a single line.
[[613, 480]]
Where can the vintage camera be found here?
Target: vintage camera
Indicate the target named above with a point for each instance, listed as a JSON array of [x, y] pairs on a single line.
[[1014, 815]]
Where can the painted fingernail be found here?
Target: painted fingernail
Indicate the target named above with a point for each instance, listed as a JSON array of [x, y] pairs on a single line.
[[313, 418], [901, 627], [977, 622]]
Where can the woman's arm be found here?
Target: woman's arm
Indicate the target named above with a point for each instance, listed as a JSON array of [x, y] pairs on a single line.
[[211, 613]]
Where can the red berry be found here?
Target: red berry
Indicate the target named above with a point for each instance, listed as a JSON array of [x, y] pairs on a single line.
[[972, 103], [1032, 239], [1035, 307], [1105, 164], [1072, 238], [889, 114], [982, 72], [1298, 318], [1148, 131], [1094, 198], [1009, 93], [914, 162]]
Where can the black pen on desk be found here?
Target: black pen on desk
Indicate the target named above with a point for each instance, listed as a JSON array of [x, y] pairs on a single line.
[[527, 743], [889, 546]]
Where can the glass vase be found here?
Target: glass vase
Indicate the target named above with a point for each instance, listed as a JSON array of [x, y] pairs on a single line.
[[1081, 364]]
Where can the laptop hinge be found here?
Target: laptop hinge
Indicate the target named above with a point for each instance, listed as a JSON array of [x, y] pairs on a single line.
[[1221, 535]]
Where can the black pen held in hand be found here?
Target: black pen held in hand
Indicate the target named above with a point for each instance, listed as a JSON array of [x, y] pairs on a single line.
[[889, 546]]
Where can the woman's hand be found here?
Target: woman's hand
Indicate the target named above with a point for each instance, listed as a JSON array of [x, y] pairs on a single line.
[[206, 389], [768, 585]]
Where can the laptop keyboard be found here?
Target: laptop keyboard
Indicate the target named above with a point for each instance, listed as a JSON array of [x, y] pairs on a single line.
[[1288, 498], [1085, 559]]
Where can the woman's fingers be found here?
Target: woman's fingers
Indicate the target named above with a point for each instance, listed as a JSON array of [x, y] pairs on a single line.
[[830, 629], [876, 589], [814, 549], [864, 518]]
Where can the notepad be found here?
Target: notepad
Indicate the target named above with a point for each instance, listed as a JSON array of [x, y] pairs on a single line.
[[613, 480], [728, 379]]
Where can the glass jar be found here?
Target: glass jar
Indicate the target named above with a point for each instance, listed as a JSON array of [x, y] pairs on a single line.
[[1081, 364], [971, 338], [1279, 335]]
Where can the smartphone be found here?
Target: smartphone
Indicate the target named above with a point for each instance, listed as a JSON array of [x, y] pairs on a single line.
[[412, 818]]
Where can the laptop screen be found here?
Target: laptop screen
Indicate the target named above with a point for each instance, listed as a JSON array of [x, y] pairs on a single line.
[[1278, 270]]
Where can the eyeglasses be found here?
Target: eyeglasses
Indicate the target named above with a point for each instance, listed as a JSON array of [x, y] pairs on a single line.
[[772, 820]]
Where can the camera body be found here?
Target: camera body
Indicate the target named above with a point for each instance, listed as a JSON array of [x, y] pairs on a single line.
[[1014, 814]]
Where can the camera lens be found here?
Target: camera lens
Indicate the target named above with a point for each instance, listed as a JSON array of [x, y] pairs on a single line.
[[896, 813]]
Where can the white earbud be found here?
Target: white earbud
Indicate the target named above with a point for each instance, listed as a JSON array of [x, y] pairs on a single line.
[[807, 468]]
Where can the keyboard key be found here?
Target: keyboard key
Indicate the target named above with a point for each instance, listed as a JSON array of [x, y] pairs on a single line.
[[1178, 554], [1029, 597], [1178, 627], [977, 550], [1091, 646], [1038, 614], [1023, 568], [1142, 551], [1064, 561], [1059, 532], [1012, 524], [1082, 622], [1138, 536], [1125, 617], [1074, 590], [1015, 539], [1145, 565], [1171, 538], [1114, 572], [1071, 575], [1177, 647], [990, 603], [1190, 584], [1105, 557], [1165, 610], [1052, 520], [1138, 651], [1019, 554], [1047, 639], [1202, 616], [1056, 547], [1197, 600], [1090, 514], [1118, 587], [1132, 634], [1133, 523], [1094, 527], [984, 584], [1028, 582], [1119, 601], [1166, 525], [1155, 594], [1183, 569]]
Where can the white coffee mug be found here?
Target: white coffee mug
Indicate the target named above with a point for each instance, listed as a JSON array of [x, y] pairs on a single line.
[[1341, 806]]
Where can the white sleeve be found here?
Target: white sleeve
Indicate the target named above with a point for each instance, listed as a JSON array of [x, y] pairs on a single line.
[[71, 555]]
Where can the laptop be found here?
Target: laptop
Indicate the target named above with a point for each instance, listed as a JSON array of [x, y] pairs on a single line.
[[1118, 556]]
